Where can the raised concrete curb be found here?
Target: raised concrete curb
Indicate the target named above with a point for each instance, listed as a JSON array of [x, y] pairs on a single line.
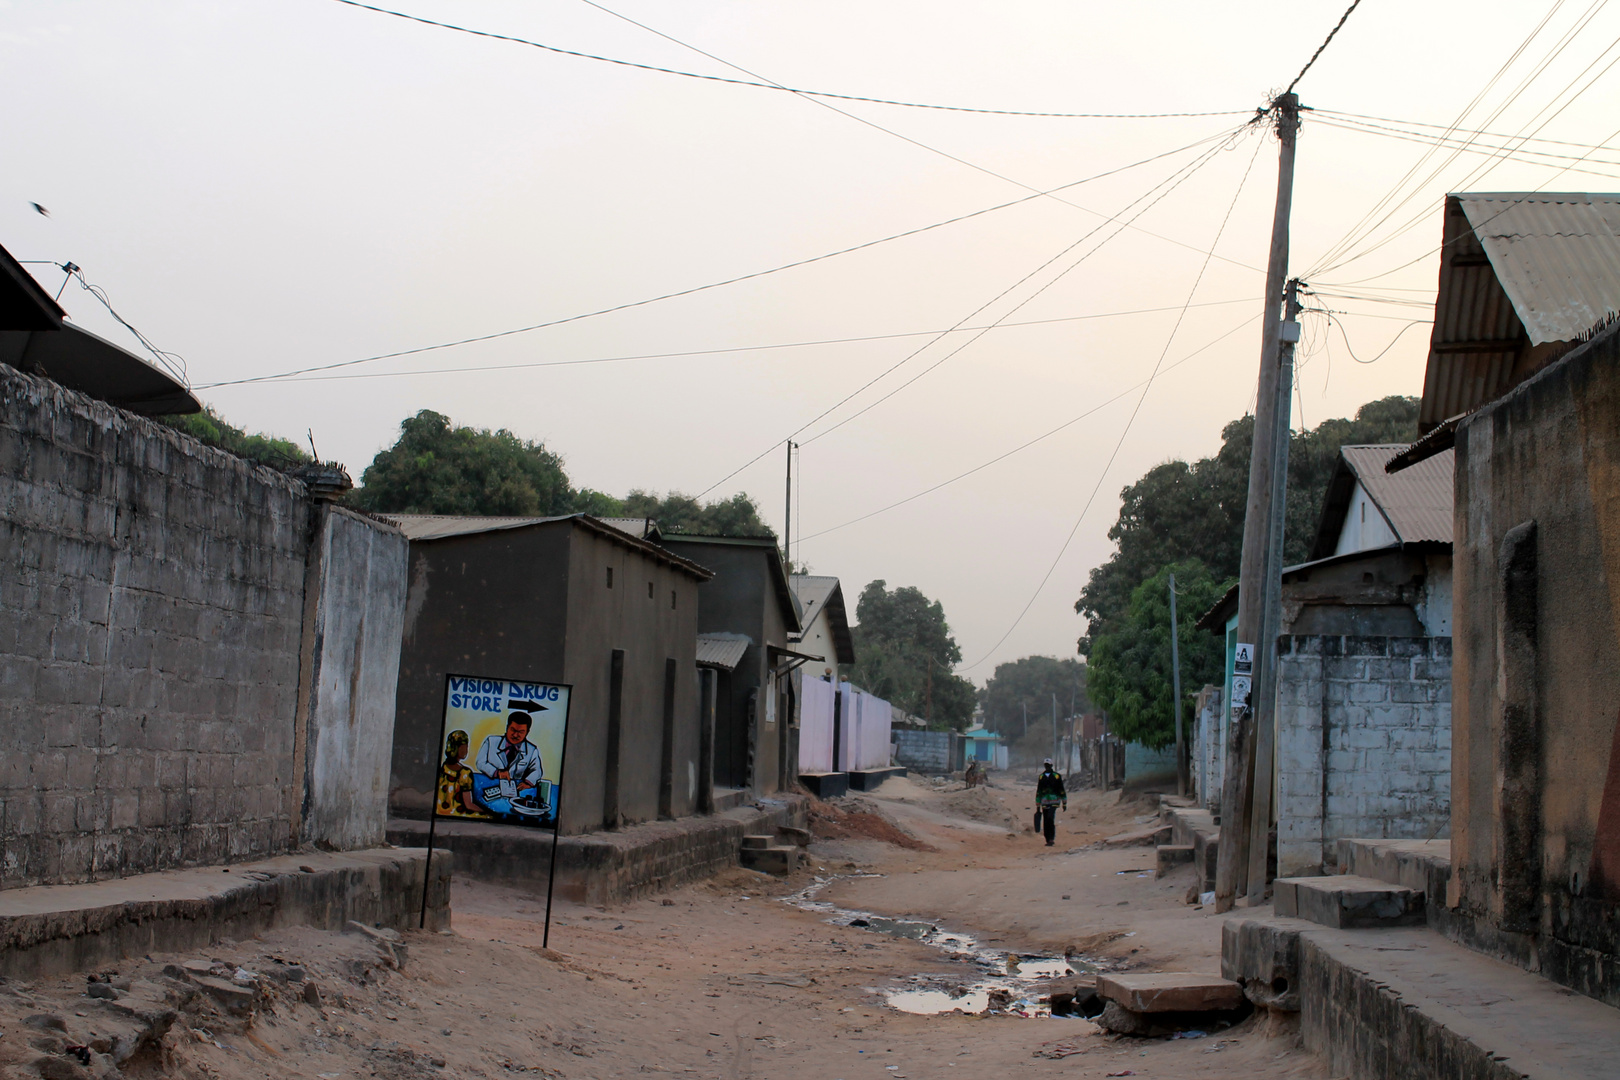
[[57, 929], [607, 867], [1346, 901], [1193, 827], [872, 779], [825, 785]]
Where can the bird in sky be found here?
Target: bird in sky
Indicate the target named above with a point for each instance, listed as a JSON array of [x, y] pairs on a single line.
[[40, 209]]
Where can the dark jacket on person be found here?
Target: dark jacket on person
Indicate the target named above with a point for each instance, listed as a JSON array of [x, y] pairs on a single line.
[[1049, 788]]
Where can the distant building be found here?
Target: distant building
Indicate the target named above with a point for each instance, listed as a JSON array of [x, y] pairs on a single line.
[[1365, 649], [826, 625], [749, 599]]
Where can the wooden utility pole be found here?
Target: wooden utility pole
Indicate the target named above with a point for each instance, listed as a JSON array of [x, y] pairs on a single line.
[[1175, 691], [787, 516], [1236, 795], [1265, 702]]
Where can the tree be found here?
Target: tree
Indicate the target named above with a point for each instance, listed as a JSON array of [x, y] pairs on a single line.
[[209, 427], [436, 468], [1029, 683], [1130, 666], [677, 513], [905, 653], [1181, 511]]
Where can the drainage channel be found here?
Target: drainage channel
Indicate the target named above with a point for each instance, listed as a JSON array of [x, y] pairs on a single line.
[[992, 980]]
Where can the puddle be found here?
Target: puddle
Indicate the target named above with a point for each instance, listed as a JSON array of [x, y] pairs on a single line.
[[993, 979]]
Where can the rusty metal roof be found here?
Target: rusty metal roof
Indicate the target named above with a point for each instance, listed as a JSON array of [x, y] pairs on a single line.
[[1417, 501], [721, 650], [440, 526], [1522, 275], [423, 527]]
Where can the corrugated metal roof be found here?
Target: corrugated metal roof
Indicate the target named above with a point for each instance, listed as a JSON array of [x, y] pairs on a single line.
[[1556, 255], [812, 591], [641, 528], [721, 650], [439, 526], [1522, 274], [1417, 501]]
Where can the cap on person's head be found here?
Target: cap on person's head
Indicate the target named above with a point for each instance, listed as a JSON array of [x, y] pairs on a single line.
[[1048, 761]]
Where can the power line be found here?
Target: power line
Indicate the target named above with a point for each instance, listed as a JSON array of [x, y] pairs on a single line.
[[763, 85], [172, 362], [1320, 112], [1506, 153], [1037, 439], [1103, 474], [1173, 180], [525, 365], [795, 264], [814, 100], [1331, 33]]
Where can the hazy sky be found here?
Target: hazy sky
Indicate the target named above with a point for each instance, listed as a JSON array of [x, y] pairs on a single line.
[[264, 186]]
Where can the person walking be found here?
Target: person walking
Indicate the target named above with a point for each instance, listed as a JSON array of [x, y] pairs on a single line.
[[1049, 793]]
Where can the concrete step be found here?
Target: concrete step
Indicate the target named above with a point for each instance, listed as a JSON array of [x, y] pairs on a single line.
[[756, 843], [1405, 1002], [1347, 901], [1170, 991], [1171, 856], [1417, 864], [825, 785], [793, 835], [776, 859]]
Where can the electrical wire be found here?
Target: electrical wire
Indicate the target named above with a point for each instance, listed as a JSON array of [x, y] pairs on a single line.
[[1032, 442], [766, 85], [528, 364], [1103, 474], [172, 362], [1333, 320], [1319, 112], [816, 100], [795, 264], [1527, 157], [1331, 33], [1361, 226], [1173, 181], [1486, 168]]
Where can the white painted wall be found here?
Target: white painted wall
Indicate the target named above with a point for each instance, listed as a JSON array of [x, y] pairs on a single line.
[[1434, 610], [1364, 526]]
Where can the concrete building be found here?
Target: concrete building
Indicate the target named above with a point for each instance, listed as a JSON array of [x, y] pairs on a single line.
[[749, 598], [1534, 414], [565, 600], [1364, 663], [826, 626]]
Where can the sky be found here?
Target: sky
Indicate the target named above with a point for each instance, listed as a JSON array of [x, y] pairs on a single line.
[[264, 187]]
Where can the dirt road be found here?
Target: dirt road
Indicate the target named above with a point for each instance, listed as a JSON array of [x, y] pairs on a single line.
[[721, 980]]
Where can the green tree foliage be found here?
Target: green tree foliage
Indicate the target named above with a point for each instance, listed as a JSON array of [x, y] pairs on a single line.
[[677, 513], [208, 427], [437, 468], [1130, 664], [1029, 683], [1180, 511], [905, 653]]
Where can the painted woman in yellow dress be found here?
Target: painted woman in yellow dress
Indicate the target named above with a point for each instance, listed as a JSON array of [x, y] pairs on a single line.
[[455, 796]]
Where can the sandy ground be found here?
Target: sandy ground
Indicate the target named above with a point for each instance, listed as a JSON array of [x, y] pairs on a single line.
[[718, 980]]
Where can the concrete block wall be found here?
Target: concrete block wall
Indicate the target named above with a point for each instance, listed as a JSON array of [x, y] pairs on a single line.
[[352, 635], [925, 751], [1363, 744], [152, 632]]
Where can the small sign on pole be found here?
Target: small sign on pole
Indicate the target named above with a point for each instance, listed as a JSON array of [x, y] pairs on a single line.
[[1243, 659], [502, 747]]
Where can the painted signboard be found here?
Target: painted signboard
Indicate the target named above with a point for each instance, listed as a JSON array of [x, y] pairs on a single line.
[[501, 751]]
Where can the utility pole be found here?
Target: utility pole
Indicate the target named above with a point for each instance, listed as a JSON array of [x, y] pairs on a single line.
[[1237, 790], [1175, 690], [787, 516], [1054, 730], [1265, 732]]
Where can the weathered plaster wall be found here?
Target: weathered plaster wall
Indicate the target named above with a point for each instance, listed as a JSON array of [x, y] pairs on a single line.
[[1536, 755], [1363, 744], [356, 601], [151, 603]]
